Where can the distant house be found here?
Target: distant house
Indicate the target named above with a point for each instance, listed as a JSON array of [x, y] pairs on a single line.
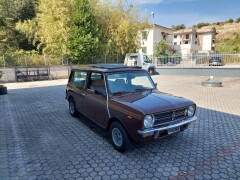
[[151, 36], [186, 41]]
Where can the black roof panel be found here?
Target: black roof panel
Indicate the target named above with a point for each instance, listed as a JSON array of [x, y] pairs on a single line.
[[109, 66], [106, 67]]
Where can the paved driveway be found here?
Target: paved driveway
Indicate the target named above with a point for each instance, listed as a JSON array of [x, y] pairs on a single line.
[[40, 140]]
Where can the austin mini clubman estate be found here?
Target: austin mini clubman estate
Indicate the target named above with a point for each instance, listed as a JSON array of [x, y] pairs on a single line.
[[125, 101]]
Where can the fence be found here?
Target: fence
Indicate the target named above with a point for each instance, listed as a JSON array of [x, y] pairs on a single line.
[[187, 60], [50, 60], [198, 60]]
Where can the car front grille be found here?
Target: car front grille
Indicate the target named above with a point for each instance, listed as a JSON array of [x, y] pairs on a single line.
[[170, 116]]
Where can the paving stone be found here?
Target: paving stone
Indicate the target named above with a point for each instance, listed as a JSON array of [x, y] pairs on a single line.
[[40, 140]]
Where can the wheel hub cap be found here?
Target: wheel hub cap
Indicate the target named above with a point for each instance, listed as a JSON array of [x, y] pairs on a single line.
[[117, 137]]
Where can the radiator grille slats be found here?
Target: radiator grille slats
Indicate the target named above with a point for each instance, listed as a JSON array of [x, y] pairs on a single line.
[[170, 116]]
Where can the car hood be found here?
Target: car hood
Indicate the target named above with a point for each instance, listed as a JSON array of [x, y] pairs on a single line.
[[153, 102]]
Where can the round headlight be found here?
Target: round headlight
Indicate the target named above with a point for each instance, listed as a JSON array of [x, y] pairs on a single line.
[[148, 121], [191, 111]]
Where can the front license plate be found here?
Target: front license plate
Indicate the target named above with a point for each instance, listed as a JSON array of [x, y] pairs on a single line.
[[173, 130]]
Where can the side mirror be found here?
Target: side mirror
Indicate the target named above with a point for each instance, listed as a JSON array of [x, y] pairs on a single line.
[[155, 85]]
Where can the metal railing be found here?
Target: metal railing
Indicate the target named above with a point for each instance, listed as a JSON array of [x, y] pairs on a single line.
[[7, 60], [199, 60], [32, 73]]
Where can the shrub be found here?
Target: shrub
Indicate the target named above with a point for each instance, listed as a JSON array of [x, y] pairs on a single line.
[[237, 20], [229, 21]]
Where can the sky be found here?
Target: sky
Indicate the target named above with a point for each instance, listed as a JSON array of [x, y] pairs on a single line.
[[188, 12]]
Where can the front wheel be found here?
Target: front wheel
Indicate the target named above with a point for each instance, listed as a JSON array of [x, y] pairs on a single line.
[[151, 71], [72, 108], [119, 137]]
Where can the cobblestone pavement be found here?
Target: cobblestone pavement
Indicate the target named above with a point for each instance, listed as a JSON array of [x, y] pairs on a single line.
[[40, 140]]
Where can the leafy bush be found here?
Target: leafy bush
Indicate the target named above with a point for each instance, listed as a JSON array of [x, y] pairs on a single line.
[[229, 21], [200, 25], [178, 27], [238, 20]]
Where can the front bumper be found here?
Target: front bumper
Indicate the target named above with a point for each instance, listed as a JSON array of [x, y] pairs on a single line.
[[156, 131]]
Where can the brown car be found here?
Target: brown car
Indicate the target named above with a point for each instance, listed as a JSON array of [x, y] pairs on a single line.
[[125, 101]]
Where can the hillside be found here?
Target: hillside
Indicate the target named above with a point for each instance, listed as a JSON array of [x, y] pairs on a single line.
[[228, 37]]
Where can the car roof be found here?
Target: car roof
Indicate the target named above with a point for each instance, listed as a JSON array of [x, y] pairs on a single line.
[[106, 68]]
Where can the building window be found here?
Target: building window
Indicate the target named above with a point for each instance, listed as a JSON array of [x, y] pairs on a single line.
[[180, 36], [180, 43], [196, 35], [195, 42], [186, 42], [175, 43], [175, 36], [187, 36], [213, 41], [144, 35]]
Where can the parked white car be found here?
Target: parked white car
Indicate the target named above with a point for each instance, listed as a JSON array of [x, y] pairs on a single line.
[[140, 60]]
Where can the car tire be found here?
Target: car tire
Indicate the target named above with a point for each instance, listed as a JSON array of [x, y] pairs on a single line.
[[3, 90], [72, 108], [119, 137], [151, 71]]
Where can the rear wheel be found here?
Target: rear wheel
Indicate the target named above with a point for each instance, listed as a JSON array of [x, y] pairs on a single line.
[[119, 137], [72, 108]]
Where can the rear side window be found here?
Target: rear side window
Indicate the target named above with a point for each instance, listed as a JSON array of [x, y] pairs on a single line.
[[79, 79], [96, 76]]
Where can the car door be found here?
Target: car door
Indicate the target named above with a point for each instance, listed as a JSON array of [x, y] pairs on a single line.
[[96, 99], [78, 86]]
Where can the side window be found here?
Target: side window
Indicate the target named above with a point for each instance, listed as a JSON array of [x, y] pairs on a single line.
[[95, 80], [146, 59], [95, 76], [79, 79], [96, 83]]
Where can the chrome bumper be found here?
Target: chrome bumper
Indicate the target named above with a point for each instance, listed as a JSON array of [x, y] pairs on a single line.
[[156, 131]]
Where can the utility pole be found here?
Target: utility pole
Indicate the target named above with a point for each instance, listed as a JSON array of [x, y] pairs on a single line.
[[152, 13]]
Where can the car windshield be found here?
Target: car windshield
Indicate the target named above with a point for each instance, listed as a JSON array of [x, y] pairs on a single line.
[[126, 82]]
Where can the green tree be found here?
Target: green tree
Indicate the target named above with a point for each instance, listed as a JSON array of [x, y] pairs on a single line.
[[178, 27], [237, 20], [200, 25], [121, 24], [84, 37], [11, 12], [229, 21], [50, 29], [161, 47]]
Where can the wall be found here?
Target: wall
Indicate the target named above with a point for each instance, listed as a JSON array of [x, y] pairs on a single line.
[[8, 75], [187, 48], [207, 42], [154, 36]]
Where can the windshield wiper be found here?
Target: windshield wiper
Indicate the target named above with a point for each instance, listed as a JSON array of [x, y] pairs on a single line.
[[133, 90], [120, 92]]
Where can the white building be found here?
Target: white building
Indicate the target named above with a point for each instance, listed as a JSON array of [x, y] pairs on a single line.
[[186, 41], [150, 37]]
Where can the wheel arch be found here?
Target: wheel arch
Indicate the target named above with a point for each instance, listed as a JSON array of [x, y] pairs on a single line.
[[115, 119], [69, 97]]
